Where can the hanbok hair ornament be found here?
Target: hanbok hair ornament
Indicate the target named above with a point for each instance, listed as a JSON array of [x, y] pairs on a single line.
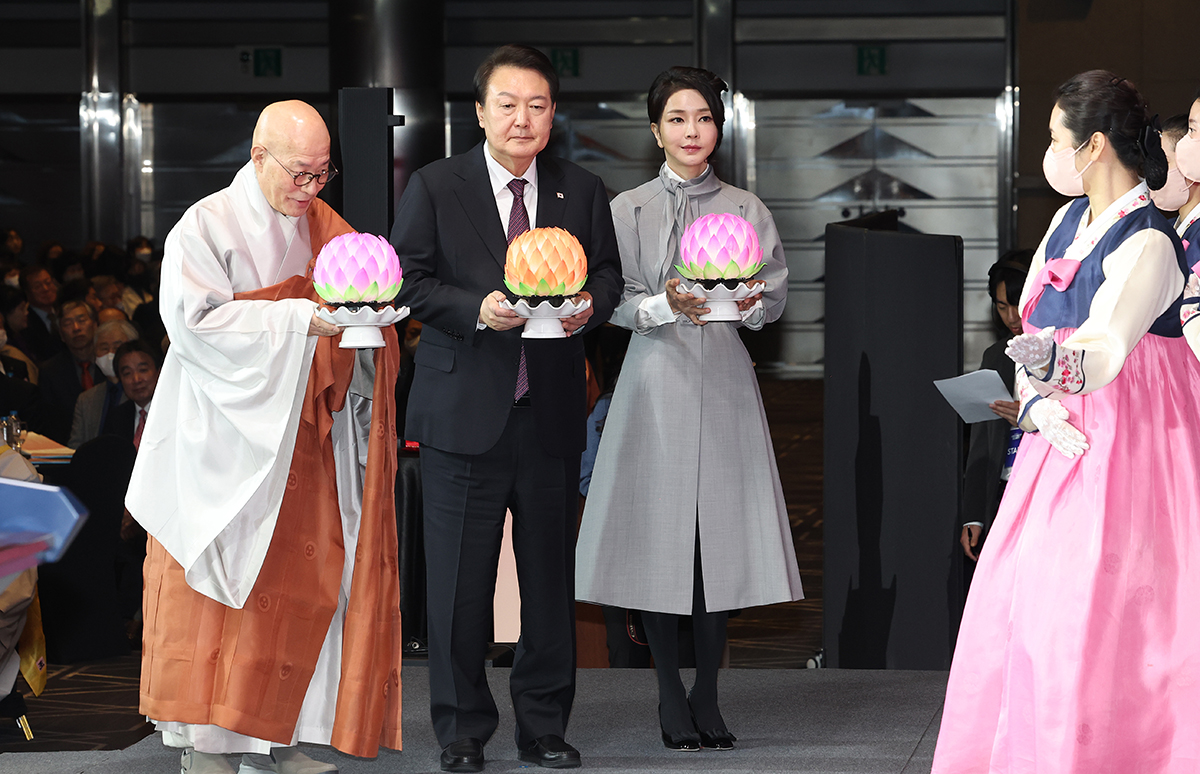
[[545, 268], [719, 253], [358, 275]]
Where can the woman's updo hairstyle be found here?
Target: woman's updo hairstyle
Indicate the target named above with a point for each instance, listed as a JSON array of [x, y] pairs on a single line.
[[676, 79], [1098, 101]]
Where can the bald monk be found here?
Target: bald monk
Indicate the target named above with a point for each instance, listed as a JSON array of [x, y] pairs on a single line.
[[271, 594]]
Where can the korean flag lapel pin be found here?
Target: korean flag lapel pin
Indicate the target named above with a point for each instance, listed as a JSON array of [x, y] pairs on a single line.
[[560, 195]]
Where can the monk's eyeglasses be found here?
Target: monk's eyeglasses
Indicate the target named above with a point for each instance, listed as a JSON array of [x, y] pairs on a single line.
[[302, 179]]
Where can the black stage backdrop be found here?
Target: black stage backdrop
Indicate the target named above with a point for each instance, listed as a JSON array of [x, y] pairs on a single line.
[[893, 447]]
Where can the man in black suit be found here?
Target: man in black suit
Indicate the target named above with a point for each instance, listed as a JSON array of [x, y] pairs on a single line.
[[500, 419], [42, 293], [70, 372], [988, 457], [136, 365]]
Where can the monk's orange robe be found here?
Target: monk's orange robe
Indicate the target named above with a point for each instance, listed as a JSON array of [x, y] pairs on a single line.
[[248, 670]]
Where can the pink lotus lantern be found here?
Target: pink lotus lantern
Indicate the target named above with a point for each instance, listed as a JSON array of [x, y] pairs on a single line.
[[546, 265], [358, 275], [357, 269], [719, 253]]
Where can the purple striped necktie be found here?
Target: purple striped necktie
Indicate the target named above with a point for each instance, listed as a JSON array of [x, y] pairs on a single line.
[[518, 223]]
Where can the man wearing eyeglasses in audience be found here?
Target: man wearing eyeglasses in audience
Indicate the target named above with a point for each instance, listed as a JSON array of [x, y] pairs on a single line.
[[249, 482]]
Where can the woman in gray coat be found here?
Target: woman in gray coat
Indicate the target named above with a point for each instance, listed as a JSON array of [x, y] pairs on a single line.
[[685, 515]]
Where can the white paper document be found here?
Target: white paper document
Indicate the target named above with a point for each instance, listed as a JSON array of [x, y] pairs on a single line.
[[971, 393]]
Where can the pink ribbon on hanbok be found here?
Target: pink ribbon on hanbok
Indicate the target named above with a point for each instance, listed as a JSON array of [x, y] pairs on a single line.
[[1059, 273]]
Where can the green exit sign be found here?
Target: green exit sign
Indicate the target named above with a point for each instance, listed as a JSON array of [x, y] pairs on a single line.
[[268, 62], [565, 61], [872, 60]]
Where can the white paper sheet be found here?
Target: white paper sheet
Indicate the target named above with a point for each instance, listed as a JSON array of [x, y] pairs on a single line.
[[971, 393]]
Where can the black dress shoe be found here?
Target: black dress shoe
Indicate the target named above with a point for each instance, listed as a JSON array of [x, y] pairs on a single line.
[[551, 752], [680, 742], [717, 740], [463, 755], [686, 741]]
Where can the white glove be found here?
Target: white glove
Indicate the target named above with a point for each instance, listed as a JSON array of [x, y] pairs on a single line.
[[1032, 349], [1050, 417]]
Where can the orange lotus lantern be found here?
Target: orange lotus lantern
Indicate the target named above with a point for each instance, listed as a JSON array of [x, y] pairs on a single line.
[[545, 262], [546, 268]]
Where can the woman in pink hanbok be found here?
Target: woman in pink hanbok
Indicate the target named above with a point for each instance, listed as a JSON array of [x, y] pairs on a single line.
[[1079, 651]]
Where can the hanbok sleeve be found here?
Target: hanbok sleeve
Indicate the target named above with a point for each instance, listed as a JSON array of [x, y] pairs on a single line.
[[1141, 281]]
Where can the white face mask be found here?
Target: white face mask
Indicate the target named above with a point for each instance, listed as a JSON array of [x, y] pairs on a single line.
[[105, 364], [3, 339], [14, 281]]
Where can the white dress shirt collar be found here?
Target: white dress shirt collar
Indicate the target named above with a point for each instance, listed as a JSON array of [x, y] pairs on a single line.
[[500, 178]]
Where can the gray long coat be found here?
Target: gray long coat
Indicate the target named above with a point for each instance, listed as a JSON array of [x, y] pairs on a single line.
[[686, 441]]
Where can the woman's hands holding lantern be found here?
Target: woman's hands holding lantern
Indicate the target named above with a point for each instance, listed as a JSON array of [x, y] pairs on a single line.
[[746, 304], [686, 304]]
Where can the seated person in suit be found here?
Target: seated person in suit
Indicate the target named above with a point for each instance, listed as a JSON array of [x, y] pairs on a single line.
[[15, 311], [14, 362], [74, 370], [136, 364], [41, 291], [93, 405]]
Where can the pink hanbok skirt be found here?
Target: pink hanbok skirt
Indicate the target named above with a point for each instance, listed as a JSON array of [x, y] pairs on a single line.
[[1079, 651]]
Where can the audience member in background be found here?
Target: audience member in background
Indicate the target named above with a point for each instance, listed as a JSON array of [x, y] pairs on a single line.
[[115, 294], [993, 445], [80, 290], [137, 365], [74, 370], [41, 291], [15, 362], [111, 315], [49, 252], [68, 268], [10, 273], [26, 399], [144, 268], [99, 258], [13, 245], [94, 405], [15, 310]]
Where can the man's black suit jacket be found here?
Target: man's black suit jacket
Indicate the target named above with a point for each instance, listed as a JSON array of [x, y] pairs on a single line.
[[44, 342], [120, 421], [452, 245]]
